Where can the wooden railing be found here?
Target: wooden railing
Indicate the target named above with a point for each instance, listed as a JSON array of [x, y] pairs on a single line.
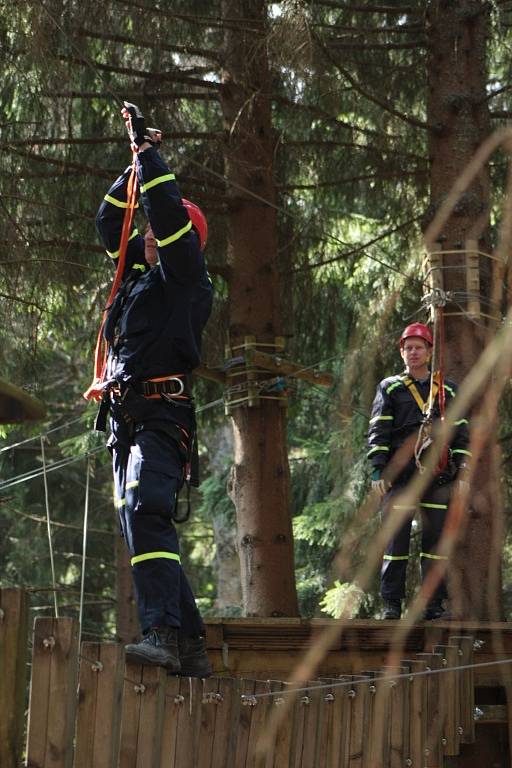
[[139, 717]]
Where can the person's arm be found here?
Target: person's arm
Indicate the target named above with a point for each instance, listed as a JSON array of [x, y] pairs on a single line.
[[379, 437], [109, 223], [180, 256]]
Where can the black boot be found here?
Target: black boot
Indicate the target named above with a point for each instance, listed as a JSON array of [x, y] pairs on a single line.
[[392, 609], [158, 648], [435, 611], [193, 657]]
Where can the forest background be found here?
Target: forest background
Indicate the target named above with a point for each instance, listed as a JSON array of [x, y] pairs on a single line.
[[307, 131]]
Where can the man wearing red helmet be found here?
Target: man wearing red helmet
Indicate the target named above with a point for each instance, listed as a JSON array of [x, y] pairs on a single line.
[[400, 405], [153, 328]]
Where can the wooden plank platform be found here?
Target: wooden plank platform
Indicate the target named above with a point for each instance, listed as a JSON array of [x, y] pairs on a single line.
[[272, 648]]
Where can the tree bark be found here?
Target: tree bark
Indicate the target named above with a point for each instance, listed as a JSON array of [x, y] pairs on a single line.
[[261, 475], [458, 110]]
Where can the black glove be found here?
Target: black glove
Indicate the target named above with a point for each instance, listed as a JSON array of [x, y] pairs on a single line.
[[135, 125]]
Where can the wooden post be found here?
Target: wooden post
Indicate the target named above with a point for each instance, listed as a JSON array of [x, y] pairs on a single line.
[[13, 659], [379, 724], [283, 747], [256, 755], [53, 699], [451, 694], [187, 741], [99, 705], [142, 716], [310, 743], [467, 688]]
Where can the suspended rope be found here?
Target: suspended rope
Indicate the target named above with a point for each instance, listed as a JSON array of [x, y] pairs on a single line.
[[84, 548], [49, 528], [41, 434], [95, 391]]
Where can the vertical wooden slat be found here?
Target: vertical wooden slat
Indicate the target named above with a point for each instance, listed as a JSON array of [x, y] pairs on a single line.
[[337, 738], [244, 722], [417, 711], [360, 704], [53, 698], [377, 754], [208, 715], [99, 705], [172, 706], [467, 688], [189, 722], [328, 724], [399, 717], [310, 744], [256, 757], [285, 733], [142, 716], [226, 723], [435, 713], [272, 736], [13, 659], [450, 692]]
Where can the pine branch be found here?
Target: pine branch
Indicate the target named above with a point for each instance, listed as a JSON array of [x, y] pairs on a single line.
[[53, 206], [359, 249], [391, 9], [350, 180], [89, 169], [35, 141], [26, 302], [152, 44], [369, 96], [132, 95], [360, 46], [155, 76], [253, 26]]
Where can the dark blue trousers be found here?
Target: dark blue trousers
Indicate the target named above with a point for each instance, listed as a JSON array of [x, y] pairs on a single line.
[[148, 472], [433, 507]]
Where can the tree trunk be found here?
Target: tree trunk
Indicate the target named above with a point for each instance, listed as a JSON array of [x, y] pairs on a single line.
[[261, 476], [459, 121]]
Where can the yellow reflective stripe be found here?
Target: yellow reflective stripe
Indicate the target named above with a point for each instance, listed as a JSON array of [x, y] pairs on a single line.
[[378, 448], [176, 236], [139, 266], [155, 556], [393, 386], [132, 484], [119, 503], [450, 390], [459, 422], [434, 506], [395, 557], [433, 557], [461, 450], [381, 418], [404, 506], [117, 203], [158, 180], [115, 254]]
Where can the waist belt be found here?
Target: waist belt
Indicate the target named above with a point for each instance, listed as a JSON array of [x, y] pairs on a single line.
[[176, 386]]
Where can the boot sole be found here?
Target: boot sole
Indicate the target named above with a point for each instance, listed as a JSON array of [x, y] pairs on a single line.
[[136, 658]]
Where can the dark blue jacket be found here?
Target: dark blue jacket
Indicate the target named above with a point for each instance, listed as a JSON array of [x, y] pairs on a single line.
[[396, 415], [154, 325]]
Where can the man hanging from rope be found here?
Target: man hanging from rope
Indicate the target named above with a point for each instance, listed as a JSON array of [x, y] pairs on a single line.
[[396, 440], [153, 330]]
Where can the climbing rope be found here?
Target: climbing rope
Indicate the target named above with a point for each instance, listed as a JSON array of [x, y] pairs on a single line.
[[49, 529]]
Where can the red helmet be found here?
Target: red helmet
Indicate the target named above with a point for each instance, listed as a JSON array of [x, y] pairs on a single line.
[[198, 220], [418, 330]]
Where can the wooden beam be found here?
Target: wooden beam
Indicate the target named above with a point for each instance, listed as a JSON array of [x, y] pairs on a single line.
[[286, 368]]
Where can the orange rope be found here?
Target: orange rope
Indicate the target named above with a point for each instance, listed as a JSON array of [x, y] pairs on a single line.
[[95, 391]]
